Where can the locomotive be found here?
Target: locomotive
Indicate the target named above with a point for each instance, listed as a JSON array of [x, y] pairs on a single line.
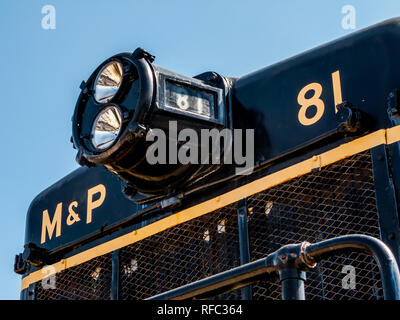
[[280, 184]]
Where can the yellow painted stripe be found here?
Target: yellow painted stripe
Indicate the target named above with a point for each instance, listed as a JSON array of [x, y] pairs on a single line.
[[392, 135], [341, 152]]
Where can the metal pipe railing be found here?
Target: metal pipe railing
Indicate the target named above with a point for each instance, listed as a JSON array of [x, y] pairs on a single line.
[[384, 257], [290, 263], [222, 282]]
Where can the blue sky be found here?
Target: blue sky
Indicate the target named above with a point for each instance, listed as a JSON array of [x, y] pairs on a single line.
[[42, 71]]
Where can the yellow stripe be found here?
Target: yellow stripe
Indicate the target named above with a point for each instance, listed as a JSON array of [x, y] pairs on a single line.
[[341, 152], [392, 135]]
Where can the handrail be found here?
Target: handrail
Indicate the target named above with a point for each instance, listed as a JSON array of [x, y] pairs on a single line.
[[290, 263], [384, 257]]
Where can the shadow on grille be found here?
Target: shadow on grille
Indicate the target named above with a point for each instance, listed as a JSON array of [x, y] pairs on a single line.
[[338, 200], [87, 281], [188, 252]]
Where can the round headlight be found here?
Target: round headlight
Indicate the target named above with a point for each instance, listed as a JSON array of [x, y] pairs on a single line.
[[125, 98], [108, 82], [106, 127]]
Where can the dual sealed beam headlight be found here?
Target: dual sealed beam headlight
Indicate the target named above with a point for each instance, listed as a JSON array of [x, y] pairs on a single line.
[[125, 98], [106, 127], [108, 81]]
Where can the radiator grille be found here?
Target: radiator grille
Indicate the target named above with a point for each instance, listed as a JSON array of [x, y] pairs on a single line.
[[188, 252], [87, 281], [337, 200]]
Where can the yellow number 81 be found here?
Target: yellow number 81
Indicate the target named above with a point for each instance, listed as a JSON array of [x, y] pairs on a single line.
[[316, 101]]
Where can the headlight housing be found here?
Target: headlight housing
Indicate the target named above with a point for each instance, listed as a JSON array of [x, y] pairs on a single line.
[[125, 97]]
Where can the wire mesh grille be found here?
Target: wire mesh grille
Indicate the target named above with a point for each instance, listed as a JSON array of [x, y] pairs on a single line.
[[188, 252], [87, 281], [338, 200]]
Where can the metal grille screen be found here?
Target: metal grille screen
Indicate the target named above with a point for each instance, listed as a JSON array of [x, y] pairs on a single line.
[[338, 200], [183, 254], [87, 281]]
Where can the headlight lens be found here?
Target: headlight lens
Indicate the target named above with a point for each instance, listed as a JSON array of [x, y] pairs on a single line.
[[106, 127], [108, 82]]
